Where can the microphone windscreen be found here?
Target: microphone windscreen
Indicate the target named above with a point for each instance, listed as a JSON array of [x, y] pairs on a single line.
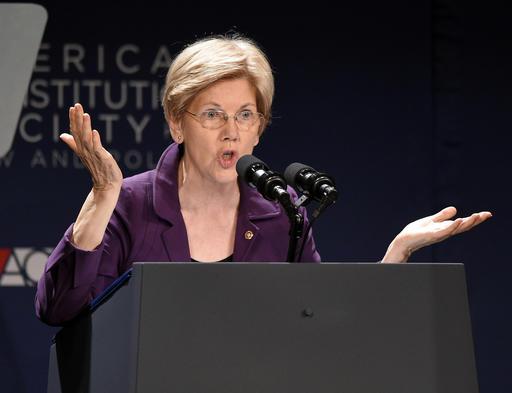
[[291, 171], [244, 163]]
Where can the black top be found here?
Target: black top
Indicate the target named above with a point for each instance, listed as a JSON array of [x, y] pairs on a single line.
[[228, 259]]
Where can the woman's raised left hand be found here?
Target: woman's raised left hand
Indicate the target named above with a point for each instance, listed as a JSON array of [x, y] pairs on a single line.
[[430, 230]]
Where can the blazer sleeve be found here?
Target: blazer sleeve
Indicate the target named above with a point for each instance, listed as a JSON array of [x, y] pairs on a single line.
[[73, 277]]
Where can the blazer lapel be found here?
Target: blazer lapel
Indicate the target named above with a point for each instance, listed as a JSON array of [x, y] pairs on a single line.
[[246, 235], [176, 243], [167, 206], [253, 207]]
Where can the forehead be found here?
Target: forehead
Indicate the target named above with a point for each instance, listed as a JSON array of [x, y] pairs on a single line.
[[228, 94]]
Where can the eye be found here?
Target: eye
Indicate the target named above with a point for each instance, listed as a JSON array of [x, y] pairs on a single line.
[[245, 115], [211, 114]]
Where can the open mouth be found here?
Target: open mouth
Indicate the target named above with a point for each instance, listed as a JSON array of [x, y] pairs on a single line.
[[228, 158], [228, 155]]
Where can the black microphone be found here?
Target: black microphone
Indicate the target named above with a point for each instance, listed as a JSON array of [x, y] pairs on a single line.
[[257, 174], [273, 187], [307, 180]]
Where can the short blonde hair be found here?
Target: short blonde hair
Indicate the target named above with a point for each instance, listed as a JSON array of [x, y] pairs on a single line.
[[212, 59]]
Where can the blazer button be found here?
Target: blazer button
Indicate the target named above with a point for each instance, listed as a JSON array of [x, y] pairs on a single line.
[[249, 235]]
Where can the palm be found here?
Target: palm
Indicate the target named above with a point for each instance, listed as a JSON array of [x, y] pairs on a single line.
[[438, 227], [86, 143]]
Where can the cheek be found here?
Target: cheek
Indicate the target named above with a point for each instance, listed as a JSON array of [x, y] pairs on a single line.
[[249, 144], [255, 140]]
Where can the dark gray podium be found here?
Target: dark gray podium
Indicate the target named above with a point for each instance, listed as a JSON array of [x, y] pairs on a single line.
[[269, 328]]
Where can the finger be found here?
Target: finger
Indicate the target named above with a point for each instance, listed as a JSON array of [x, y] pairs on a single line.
[[68, 140], [443, 231], [467, 223], [98, 147], [72, 125], [71, 118], [96, 141], [445, 214], [79, 119], [449, 228], [486, 215], [75, 126], [473, 220], [87, 130]]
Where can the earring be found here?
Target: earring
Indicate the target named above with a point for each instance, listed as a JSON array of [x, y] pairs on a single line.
[[178, 138]]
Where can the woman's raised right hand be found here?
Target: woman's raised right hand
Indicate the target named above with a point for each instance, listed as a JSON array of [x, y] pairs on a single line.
[[86, 143]]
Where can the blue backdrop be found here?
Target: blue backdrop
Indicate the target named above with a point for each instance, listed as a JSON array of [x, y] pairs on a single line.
[[406, 104]]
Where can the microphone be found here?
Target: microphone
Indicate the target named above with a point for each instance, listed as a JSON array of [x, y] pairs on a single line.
[[257, 174], [273, 187], [307, 180]]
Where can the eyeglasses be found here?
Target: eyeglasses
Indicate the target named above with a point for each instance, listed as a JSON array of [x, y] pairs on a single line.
[[213, 119]]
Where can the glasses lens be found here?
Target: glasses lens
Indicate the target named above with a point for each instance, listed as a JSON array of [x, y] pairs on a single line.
[[246, 119], [212, 119]]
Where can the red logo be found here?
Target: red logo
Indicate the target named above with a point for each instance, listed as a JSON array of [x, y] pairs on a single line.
[[22, 266]]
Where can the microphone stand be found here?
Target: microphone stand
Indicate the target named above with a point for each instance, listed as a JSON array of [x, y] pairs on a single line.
[[296, 223]]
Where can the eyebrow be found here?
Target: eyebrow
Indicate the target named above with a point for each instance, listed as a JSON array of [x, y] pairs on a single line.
[[220, 106]]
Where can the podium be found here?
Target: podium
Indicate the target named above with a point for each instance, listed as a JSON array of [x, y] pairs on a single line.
[[272, 327]]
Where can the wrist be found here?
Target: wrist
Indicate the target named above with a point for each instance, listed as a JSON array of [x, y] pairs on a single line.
[[397, 252], [91, 223], [109, 193]]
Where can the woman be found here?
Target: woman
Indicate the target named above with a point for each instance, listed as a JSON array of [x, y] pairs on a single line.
[[217, 101]]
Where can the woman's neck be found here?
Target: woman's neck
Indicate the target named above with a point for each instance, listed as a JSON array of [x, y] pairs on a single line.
[[197, 193]]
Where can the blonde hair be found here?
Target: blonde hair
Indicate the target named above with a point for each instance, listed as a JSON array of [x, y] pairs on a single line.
[[212, 59]]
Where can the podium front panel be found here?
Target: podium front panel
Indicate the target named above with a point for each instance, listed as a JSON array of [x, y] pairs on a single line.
[[267, 327], [305, 328]]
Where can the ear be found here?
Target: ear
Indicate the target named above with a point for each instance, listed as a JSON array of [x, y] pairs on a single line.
[[176, 131]]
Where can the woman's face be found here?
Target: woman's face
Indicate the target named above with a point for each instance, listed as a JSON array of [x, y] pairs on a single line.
[[212, 153]]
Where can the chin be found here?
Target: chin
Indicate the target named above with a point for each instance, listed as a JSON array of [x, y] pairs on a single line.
[[227, 176]]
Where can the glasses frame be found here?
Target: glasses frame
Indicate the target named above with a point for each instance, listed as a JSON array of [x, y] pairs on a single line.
[[226, 118]]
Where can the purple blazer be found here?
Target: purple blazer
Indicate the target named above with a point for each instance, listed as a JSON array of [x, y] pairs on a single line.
[[147, 226]]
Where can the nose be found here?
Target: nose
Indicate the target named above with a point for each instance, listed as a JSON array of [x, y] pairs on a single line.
[[231, 130]]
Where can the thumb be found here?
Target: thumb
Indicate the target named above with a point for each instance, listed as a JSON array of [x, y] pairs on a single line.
[[68, 140], [446, 213]]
